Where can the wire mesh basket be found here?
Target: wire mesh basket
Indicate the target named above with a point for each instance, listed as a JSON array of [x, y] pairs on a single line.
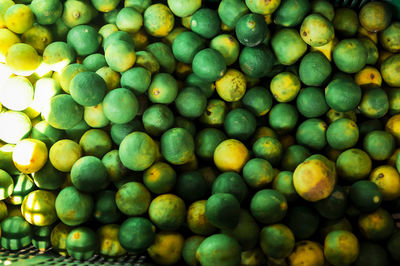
[[30, 256]]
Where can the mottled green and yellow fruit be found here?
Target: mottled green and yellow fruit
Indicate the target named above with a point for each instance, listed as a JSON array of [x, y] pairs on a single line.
[[393, 126], [111, 77], [389, 38], [251, 29], [288, 46], [377, 225], [394, 101], [136, 234], [258, 173], [38, 37], [283, 183], [209, 64], [285, 86], [177, 146], [68, 73], [77, 13], [182, 8], [59, 236], [375, 16], [88, 174], [324, 8], [374, 103], [120, 56], [268, 206], [167, 212], [363, 33], [350, 55], [223, 210], [160, 178], [82, 243], [313, 180], [129, 20], [158, 20], [38, 208], [365, 195], [283, 117], [353, 164], [62, 112], [137, 151], [387, 179], [290, 13], [7, 39], [30, 155], [345, 22], [240, 124], [253, 257], [163, 89], [389, 70], [391, 161], [231, 155], [316, 30], [94, 116], [277, 241], [19, 18], [312, 133], [228, 46], [314, 69], [105, 208], [232, 86], [341, 248], [379, 144], [73, 207], [46, 12], [256, 62], [167, 248], [342, 134], [219, 249], [342, 95], [263, 7], [108, 241], [4, 5], [64, 153], [133, 199], [215, 112], [197, 220], [58, 55], [22, 59], [186, 22], [368, 77], [372, 50], [307, 253]]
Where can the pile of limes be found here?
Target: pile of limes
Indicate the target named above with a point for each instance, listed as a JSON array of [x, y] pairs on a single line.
[[233, 132]]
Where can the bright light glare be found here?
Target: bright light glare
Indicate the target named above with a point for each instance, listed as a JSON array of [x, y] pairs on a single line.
[[5, 73], [59, 65], [43, 69]]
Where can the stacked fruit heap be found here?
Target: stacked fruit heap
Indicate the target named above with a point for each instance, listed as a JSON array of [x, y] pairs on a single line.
[[217, 132]]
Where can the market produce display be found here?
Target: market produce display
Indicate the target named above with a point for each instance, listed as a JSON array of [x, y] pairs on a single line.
[[232, 132]]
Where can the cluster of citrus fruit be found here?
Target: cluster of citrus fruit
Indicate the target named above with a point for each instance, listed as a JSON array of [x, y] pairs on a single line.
[[233, 132]]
